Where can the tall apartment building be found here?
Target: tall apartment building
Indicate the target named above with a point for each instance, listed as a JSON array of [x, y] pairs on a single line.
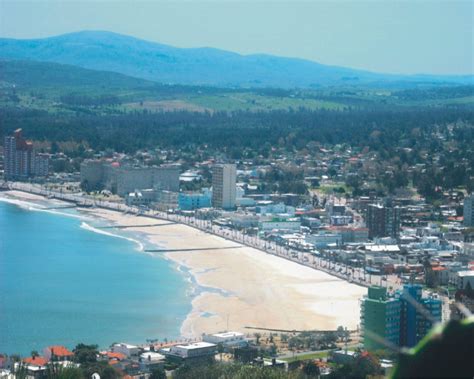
[[469, 210], [223, 186], [380, 318], [41, 165], [415, 325], [383, 221], [20, 160], [396, 318]]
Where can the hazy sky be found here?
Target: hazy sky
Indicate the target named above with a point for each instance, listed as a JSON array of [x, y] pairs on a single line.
[[412, 36]]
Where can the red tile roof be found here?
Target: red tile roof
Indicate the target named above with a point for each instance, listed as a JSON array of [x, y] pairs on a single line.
[[37, 361], [60, 351], [113, 355]]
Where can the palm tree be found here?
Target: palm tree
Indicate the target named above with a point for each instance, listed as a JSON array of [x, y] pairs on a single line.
[[257, 337], [220, 349]]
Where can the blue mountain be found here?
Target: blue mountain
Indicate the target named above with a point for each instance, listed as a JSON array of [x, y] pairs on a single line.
[[106, 51]]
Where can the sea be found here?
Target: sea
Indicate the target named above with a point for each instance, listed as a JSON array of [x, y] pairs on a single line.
[[64, 279]]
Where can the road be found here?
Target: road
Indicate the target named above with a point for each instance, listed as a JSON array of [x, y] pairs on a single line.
[[356, 275]]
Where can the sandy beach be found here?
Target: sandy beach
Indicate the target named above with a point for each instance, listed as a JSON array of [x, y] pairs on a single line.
[[241, 286]]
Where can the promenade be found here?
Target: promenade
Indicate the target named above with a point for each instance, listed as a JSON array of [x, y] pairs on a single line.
[[355, 275]]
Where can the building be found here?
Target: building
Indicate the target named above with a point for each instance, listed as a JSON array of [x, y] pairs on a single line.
[[469, 210], [383, 221], [224, 186], [192, 351], [151, 360], [58, 353], [93, 175], [351, 235], [129, 179], [414, 325], [227, 339], [188, 201], [41, 165], [166, 200], [380, 319], [122, 180], [126, 349], [19, 158], [398, 318], [465, 279], [324, 239], [141, 198], [464, 297], [34, 367], [290, 224]]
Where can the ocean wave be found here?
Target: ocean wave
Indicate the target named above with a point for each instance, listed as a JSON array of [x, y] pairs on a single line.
[[86, 226]]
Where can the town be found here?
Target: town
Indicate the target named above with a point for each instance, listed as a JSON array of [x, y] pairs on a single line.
[[337, 209]]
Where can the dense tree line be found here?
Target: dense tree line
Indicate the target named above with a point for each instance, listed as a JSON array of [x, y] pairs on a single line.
[[377, 129]]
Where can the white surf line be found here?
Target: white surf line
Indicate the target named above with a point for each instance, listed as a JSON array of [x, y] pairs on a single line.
[[86, 226]]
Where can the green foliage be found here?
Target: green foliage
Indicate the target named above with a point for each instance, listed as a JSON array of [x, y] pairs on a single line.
[[310, 369], [445, 353], [365, 364], [85, 354], [56, 370], [157, 374], [233, 371]]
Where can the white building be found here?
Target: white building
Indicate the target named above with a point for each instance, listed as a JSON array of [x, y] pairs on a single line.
[[269, 208], [280, 224], [150, 360], [143, 197], [126, 349], [224, 186], [228, 339], [324, 239], [193, 350]]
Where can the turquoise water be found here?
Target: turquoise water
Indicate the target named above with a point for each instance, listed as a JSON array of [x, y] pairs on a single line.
[[63, 284]]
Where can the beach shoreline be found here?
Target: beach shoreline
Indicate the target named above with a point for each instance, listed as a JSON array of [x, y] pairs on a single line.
[[239, 286]]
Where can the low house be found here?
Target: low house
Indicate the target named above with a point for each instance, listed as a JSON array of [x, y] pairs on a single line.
[[191, 352], [58, 353], [227, 339], [151, 360], [36, 370], [128, 350]]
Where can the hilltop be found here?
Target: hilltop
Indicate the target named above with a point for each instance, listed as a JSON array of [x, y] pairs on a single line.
[[106, 51]]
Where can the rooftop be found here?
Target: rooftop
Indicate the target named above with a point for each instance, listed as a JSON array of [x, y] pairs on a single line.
[[196, 345], [60, 351]]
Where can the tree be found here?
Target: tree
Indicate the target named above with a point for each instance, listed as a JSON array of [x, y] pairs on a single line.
[[158, 373], [85, 354], [220, 349], [341, 332], [311, 369], [257, 338]]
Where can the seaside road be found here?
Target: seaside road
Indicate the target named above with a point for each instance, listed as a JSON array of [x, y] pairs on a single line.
[[195, 249]]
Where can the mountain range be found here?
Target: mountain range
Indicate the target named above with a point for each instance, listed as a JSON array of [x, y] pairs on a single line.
[[106, 51]]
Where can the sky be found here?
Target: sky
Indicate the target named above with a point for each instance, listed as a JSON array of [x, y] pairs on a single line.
[[406, 37]]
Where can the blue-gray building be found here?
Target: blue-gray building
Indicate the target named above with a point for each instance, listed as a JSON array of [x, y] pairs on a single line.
[[414, 324], [193, 200]]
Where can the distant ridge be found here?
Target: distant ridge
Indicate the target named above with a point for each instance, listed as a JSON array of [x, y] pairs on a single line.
[[107, 51]]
